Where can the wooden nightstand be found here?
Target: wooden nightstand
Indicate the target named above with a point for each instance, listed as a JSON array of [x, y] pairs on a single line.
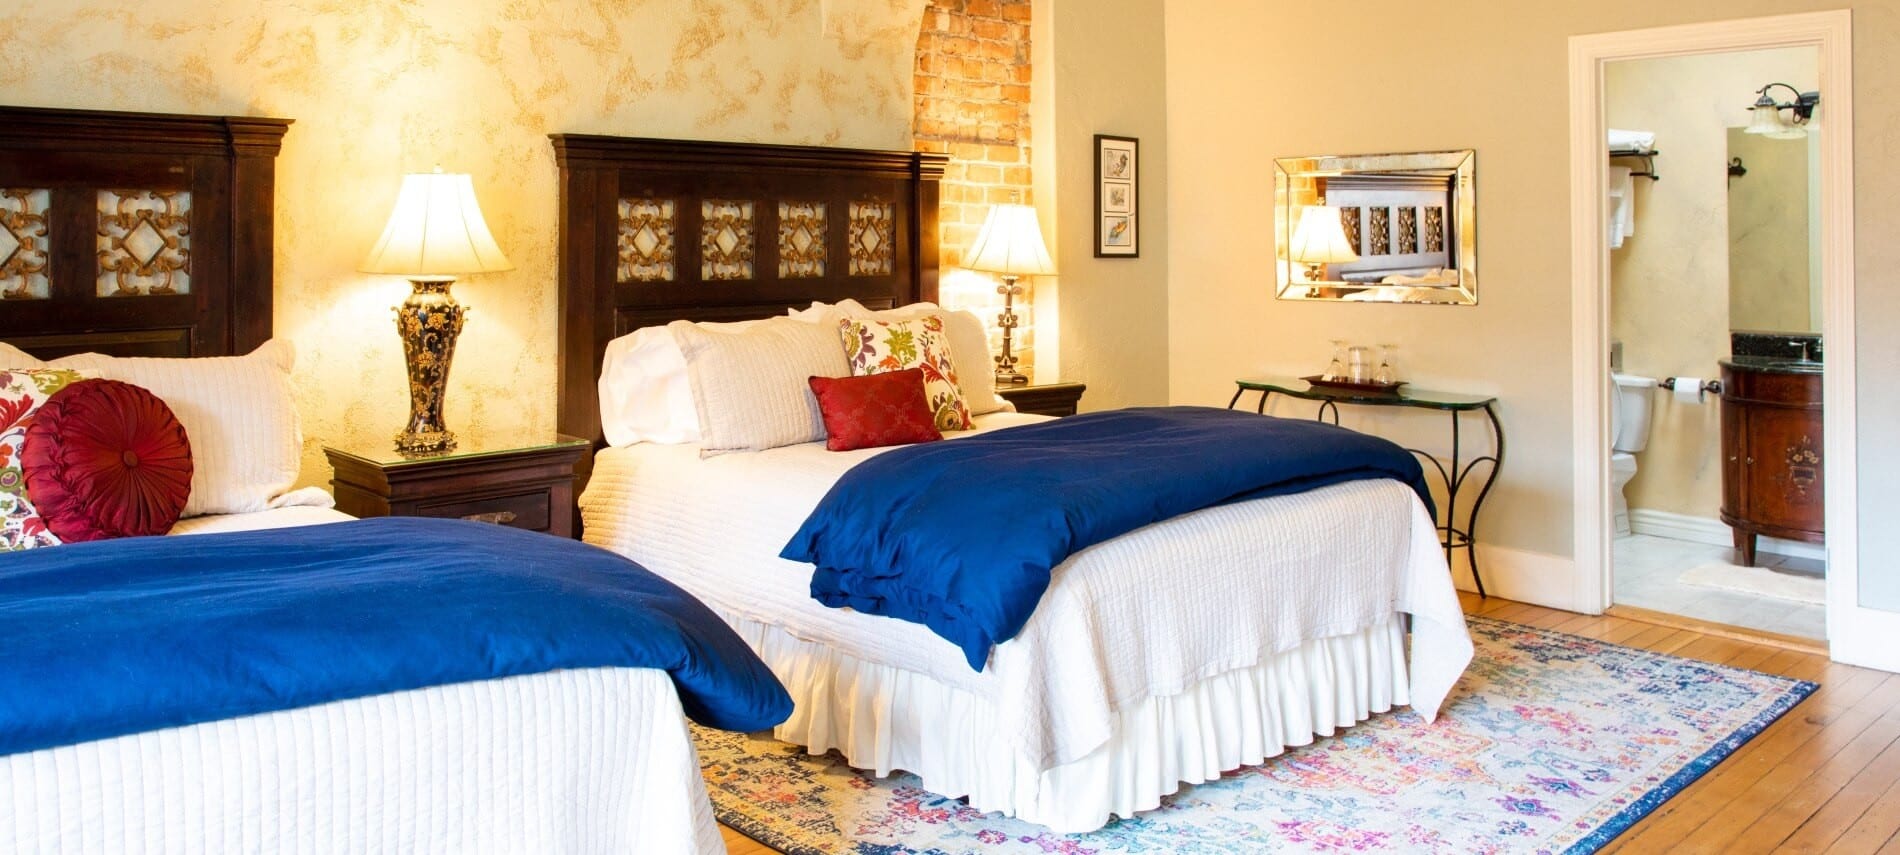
[[526, 483], [1045, 399]]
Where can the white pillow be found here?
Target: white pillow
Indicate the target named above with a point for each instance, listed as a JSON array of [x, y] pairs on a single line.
[[645, 395], [976, 375], [246, 441], [751, 386], [13, 357]]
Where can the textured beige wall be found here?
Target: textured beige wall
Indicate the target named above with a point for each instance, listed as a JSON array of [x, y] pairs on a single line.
[[1669, 283], [1244, 87], [382, 87], [1109, 79]]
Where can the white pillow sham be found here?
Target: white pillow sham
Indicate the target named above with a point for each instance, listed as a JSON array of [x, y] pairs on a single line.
[[750, 386], [976, 375], [645, 395], [246, 439]]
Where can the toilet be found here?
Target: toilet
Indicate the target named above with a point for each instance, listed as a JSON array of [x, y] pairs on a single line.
[[1630, 410]]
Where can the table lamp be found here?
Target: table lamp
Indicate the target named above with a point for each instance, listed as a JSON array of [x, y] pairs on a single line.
[[1010, 243], [1319, 240], [435, 234]]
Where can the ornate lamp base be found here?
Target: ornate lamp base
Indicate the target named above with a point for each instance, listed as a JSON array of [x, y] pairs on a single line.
[[1008, 321], [429, 321]]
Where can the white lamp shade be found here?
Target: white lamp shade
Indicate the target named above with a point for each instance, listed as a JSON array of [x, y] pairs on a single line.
[[436, 231], [1010, 242], [1766, 119], [1320, 238]]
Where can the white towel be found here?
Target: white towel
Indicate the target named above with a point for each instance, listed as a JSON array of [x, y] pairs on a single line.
[[1631, 140], [1622, 206]]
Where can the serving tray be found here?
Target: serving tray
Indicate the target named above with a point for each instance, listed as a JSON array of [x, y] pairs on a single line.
[[1320, 381]]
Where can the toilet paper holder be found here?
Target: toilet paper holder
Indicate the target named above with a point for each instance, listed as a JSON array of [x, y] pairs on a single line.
[[1713, 387]]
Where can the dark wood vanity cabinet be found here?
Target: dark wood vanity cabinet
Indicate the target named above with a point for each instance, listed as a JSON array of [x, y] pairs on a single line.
[[1771, 456]]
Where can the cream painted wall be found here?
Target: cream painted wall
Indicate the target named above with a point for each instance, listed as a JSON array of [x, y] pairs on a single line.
[[381, 87], [1243, 88], [1109, 79], [1669, 283]]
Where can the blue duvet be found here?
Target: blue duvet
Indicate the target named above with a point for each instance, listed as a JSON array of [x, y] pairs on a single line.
[[961, 536], [114, 637]]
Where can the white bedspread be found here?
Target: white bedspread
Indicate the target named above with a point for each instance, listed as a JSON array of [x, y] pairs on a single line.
[[1145, 615], [593, 760], [257, 520], [581, 761]]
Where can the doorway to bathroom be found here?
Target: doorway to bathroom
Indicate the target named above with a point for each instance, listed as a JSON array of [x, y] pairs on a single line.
[[1856, 632], [1716, 351]]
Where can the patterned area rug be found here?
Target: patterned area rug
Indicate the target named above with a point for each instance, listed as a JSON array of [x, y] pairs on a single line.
[[1552, 743]]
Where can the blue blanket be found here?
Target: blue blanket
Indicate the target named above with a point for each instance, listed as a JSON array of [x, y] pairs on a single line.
[[961, 536], [115, 637]]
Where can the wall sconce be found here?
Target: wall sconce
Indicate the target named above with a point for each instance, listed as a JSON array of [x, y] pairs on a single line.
[[435, 234], [1766, 120], [1319, 240]]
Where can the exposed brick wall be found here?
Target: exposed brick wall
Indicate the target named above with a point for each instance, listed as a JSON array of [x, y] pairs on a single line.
[[973, 104]]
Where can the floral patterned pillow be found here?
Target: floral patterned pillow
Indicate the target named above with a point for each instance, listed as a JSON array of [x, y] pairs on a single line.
[[22, 391], [877, 347]]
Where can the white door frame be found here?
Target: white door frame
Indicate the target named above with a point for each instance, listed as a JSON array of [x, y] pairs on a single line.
[[1854, 632]]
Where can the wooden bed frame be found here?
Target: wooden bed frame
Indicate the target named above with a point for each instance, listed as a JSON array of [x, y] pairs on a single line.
[[653, 231], [136, 234]]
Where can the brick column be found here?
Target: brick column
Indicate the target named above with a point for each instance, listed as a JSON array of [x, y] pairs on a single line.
[[973, 104]]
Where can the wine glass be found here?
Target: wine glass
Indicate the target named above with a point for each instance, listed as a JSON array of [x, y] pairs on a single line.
[[1336, 370], [1388, 373]]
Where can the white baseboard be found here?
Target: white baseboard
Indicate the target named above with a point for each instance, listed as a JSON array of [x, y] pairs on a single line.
[[1517, 574], [1713, 533]]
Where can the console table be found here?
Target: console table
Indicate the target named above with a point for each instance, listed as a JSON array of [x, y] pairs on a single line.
[[1455, 536]]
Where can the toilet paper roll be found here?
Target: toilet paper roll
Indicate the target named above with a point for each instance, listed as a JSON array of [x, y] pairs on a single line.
[[1688, 390]]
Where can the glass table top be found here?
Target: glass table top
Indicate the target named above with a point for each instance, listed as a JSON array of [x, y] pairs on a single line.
[[1406, 396], [382, 450]]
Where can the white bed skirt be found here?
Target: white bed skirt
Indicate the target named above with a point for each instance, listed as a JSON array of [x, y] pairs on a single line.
[[883, 719], [589, 760]]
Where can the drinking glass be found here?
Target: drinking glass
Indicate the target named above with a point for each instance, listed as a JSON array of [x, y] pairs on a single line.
[[1359, 363], [1388, 372], [1336, 370]]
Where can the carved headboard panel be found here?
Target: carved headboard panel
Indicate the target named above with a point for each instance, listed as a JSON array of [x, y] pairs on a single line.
[[136, 234], [654, 231]]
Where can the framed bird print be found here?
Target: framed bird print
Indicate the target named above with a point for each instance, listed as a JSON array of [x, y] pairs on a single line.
[[1117, 197]]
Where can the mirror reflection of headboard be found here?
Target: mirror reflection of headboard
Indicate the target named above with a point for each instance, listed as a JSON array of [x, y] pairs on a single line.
[[653, 231], [1403, 227], [136, 234]]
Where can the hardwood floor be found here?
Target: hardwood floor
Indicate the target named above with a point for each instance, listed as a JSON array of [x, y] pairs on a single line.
[[1824, 778]]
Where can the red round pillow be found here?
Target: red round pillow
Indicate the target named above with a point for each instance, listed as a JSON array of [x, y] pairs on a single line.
[[106, 459]]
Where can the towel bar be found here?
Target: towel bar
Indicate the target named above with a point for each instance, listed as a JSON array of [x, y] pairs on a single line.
[[1648, 158]]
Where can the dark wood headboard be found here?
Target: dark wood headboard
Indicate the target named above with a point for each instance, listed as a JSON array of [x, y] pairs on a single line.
[[654, 231], [136, 234]]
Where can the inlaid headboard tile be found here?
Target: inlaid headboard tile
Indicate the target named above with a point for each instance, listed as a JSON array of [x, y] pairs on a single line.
[[659, 230], [23, 247], [136, 233]]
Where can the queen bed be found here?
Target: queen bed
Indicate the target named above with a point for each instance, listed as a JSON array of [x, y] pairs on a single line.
[[579, 743], [1161, 657]]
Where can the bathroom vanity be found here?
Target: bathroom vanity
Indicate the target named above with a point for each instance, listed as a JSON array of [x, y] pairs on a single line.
[[1771, 449]]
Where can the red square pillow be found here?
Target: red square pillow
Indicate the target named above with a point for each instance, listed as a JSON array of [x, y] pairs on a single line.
[[875, 410]]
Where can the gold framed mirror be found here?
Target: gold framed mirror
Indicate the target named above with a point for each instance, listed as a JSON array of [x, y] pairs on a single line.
[[1382, 228]]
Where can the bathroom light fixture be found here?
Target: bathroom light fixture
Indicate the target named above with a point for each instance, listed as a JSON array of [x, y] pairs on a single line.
[[1319, 240], [1767, 121]]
